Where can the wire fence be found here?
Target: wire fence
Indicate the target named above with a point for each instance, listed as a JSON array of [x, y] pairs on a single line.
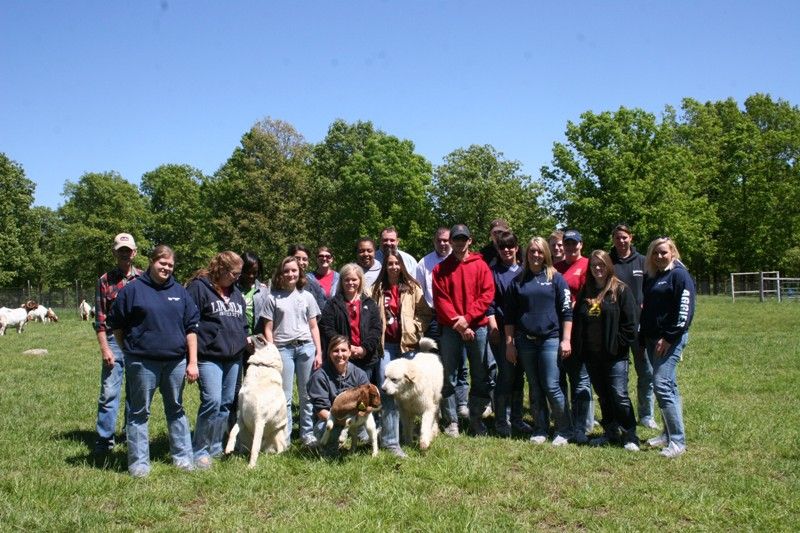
[[58, 298], [764, 286]]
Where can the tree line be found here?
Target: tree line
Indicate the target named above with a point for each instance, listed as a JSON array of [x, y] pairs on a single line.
[[721, 179]]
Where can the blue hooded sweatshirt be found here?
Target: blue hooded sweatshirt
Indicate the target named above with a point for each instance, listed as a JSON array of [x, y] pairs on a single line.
[[668, 304], [155, 318], [222, 332]]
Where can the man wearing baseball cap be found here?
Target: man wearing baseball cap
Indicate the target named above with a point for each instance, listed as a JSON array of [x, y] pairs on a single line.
[[113, 366], [463, 288]]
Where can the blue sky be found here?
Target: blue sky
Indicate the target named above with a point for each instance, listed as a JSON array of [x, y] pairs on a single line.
[[92, 86]]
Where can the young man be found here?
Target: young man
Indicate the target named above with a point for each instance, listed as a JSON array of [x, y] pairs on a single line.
[[556, 244], [629, 267], [463, 288], [390, 241], [113, 367]]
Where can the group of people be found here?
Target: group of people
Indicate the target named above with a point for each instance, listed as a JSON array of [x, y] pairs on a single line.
[[565, 322]]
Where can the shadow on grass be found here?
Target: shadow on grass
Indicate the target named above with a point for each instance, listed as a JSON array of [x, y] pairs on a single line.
[[115, 459]]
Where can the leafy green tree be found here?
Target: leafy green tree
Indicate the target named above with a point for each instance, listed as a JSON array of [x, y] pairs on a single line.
[[626, 166], [179, 217], [96, 208], [41, 230], [364, 180], [258, 200], [16, 197], [477, 184]]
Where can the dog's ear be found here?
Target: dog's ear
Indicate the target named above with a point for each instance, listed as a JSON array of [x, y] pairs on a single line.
[[374, 396], [411, 374]]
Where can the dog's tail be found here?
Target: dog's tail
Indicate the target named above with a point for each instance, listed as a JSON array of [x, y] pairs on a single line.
[[426, 344]]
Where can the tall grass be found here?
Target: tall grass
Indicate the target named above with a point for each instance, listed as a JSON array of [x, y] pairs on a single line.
[[739, 380]]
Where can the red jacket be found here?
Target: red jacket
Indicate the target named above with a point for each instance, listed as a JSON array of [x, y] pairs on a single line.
[[462, 288]]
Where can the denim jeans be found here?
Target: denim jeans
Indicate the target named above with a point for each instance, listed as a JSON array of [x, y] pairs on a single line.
[[462, 384], [580, 393], [610, 380], [111, 378], [665, 386], [389, 414], [480, 363], [540, 359], [144, 377], [217, 393], [510, 386], [644, 384], [332, 448], [298, 359]]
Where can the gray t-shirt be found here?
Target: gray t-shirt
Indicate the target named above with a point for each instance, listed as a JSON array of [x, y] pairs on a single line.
[[290, 313]]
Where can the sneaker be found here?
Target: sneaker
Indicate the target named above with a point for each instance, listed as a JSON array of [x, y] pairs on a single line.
[[657, 442], [673, 450], [599, 441], [520, 426], [487, 412], [452, 430], [463, 411], [477, 427], [631, 446], [560, 441], [187, 467], [397, 452], [309, 441], [649, 422], [139, 472], [103, 446], [503, 430], [204, 463], [538, 439], [580, 438]]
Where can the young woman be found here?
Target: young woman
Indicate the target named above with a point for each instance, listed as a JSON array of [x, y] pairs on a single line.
[[335, 375], [667, 313], [510, 385], [290, 322], [325, 275], [603, 330], [221, 345], [538, 327], [253, 291], [155, 321], [405, 316], [301, 254], [353, 314]]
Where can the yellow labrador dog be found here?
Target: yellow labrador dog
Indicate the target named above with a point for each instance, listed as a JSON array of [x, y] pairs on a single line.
[[416, 385], [261, 417]]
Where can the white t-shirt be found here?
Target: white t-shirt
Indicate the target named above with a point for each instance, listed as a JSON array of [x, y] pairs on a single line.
[[424, 274], [290, 313]]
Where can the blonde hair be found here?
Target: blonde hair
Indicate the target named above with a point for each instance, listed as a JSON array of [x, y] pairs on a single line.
[[220, 265], [542, 245], [649, 260], [351, 268]]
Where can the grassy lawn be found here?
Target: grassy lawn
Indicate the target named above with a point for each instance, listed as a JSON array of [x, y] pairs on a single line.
[[739, 381]]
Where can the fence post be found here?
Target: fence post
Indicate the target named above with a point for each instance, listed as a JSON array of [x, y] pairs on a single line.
[[733, 290], [761, 286], [778, 285]]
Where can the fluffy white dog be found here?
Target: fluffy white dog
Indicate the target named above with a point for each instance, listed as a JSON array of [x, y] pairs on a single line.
[[261, 418], [416, 385]]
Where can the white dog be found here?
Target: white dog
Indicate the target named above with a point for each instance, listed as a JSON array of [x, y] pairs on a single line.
[[353, 409], [416, 385], [13, 317], [261, 416]]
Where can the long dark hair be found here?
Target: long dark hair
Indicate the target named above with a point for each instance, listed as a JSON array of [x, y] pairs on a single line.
[[406, 284]]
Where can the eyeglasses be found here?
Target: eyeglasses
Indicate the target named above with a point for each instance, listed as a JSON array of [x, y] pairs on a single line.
[[506, 247], [234, 275], [324, 256]]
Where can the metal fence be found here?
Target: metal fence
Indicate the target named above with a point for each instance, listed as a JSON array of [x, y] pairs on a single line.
[[765, 286], [58, 298]]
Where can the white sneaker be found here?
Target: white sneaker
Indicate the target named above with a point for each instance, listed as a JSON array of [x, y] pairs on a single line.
[[560, 441], [673, 450], [631, 446], [452, 429], [487, 412], [649, 423], [538, 439], [656, 442]]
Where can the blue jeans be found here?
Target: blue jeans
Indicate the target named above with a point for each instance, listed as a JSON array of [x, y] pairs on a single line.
[[390, 415], [580, 393], [480, 362], [665, 386], [462, 385], [217, 393], [110, 393], [144, 377], [540, 359], [298, 359], [510, 387], [610, 380], [332, 448], [644, 384]]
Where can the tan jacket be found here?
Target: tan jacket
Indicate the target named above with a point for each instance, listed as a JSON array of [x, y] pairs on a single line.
[[415, 316]]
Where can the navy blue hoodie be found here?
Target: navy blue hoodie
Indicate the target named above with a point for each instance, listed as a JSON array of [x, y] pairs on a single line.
[[536, 306], [222, 332], [668, 304], [155, 318]]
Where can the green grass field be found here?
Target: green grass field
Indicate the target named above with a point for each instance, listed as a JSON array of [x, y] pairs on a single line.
[[739, 381]]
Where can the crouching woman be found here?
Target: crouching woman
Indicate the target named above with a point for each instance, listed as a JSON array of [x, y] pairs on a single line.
[[336, 374], [155, 322]]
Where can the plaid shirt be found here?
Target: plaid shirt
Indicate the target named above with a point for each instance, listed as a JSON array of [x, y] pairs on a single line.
[[105, 292]]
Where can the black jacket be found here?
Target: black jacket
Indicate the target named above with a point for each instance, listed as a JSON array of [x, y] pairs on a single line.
[[334, 321], [618, 324], [630, 271]]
